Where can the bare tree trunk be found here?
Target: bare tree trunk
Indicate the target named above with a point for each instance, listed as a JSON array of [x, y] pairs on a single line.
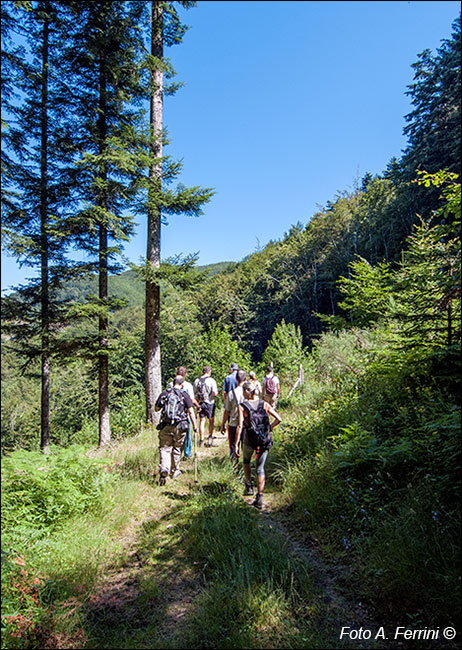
[[103, 370], [315, 285], [103, 324], [153, 376], [449, 310], [44, 253]]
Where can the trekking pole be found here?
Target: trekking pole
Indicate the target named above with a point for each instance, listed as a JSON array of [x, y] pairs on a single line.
[[195, 456]]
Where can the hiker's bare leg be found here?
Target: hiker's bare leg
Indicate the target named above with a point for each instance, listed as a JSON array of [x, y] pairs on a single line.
[[247, 472], [260, 483], [261, 460], [201, 428], [211, 423]]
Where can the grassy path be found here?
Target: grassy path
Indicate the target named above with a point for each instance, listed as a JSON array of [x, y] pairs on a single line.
[[181, 586]]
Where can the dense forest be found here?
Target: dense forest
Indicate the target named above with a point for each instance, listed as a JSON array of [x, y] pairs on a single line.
[[364, 298]]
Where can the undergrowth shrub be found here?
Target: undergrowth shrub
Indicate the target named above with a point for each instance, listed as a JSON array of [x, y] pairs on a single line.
[[412, 559], [373, 471], [41, 492], [126, 414]]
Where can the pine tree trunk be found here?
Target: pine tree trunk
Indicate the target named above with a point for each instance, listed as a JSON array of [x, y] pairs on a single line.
[[103, 325], [153, 376], [103, 370], [44, 254]]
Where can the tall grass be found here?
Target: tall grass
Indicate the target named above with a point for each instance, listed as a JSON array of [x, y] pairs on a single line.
[[65, 520], [373, 472], [255, 592]]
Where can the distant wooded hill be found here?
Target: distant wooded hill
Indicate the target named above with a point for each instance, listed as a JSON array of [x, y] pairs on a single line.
[[126, 286]]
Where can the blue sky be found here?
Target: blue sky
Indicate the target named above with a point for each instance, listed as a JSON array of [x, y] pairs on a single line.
[[285, 104]]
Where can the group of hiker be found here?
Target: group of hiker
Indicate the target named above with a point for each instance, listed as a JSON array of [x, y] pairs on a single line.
[[248, 406]]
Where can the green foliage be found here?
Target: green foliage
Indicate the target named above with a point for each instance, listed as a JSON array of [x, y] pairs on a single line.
[[421, 297], [373, 468], [413, 555], [127, 414], [366, 292], [285, 350], [261, 587], [433, 127], [47, 572], [126, 361], [216, 348], [41, 492]]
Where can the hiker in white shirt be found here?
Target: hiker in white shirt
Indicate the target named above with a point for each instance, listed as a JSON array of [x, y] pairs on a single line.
[[271, 387], [205, 391], [231, 413]]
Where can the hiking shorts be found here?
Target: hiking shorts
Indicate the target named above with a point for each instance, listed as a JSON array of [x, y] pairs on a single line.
[[260, 458], [272, 399], [207, 410]]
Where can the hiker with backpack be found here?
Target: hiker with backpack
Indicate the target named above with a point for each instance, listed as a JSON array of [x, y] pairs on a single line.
[[205, 391], [253, 378], [188, 388], [231, 413], [256, 430], [230, 380], [176, 407], [270, 388]]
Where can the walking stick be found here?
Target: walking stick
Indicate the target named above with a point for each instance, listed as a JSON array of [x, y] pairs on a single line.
[[195, 455]]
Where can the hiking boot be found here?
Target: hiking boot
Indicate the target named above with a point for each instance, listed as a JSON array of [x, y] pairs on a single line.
[[163, 477], [210, 441], [176, 473], [258, 503], [248, 490], [201, 443]]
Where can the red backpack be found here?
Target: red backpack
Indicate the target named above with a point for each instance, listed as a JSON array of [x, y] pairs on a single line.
[[271, 387]]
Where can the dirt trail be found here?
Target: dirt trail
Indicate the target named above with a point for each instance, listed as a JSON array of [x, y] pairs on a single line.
[[340, 607], [130, 597]]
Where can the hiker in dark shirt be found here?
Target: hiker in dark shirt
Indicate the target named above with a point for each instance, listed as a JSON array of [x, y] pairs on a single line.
[[254, 413], [230, 380], [176, 406]]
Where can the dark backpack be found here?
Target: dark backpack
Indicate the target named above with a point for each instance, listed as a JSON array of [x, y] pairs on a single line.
[[174, 409], [259, 431], [271, 388], [201, 390]]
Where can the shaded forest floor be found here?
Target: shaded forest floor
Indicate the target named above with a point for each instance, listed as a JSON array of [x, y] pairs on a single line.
[[152, 598]]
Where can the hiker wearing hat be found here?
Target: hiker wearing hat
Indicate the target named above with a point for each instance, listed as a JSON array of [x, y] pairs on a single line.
[[230, 380], [231, 413], [176, 407], [256, 430]]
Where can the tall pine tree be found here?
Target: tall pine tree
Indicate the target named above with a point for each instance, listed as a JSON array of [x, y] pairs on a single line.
[[166, 30], [433, 127], [107, 87], [38, 163]]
